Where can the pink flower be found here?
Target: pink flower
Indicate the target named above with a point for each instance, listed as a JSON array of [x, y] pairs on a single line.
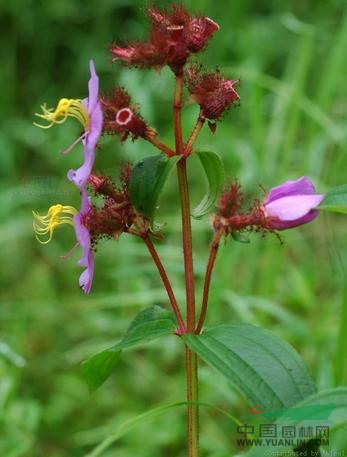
[[84, 240], [291, 204], [93, 132], [57, 215], [89, 114]]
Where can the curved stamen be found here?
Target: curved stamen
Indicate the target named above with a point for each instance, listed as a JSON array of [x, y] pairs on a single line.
[[56, 215], [67, 107]]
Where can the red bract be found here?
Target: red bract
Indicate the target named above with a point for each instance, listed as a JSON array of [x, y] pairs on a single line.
[[174, 35], [121, 117], [212, 91]]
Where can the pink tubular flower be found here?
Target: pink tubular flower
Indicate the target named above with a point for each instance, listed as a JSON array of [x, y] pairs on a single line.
[[84, 240], [291, 204], [93, 132], [58, 215], [89, 114]]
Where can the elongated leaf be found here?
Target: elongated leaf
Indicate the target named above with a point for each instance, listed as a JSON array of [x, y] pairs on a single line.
[[265, 368], [99, 367], [338, 418], [146, 183], [214, 169], [335, 200], [149, 324]]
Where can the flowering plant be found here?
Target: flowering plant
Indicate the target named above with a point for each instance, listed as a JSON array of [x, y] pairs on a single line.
[[266, 369]]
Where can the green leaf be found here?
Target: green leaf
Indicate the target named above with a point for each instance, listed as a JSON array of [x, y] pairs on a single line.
[[214, 169], [148, 325], [99, 367], [266, 369], [338, 418], [146, 182], [335, 200]]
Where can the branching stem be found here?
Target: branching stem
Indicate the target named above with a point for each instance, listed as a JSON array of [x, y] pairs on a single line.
[[162, 146], [166, 282], [209, 268], [194, 135]]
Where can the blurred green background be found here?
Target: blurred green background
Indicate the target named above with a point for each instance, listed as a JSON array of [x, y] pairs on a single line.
[[291, 59]]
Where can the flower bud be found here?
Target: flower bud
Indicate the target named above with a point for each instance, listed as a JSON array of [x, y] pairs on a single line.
[[199, 31], [121, 117], [174, 35], [212, 91]]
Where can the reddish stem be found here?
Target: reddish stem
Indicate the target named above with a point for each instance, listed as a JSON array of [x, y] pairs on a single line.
[[194, 135], [192, 399], [209, 268], [166, 282], [177, 105], [163, 147], [191, 358], [187, 243]]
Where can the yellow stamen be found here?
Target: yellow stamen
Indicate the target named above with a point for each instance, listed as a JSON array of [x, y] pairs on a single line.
[[57, 215], [65, 108]]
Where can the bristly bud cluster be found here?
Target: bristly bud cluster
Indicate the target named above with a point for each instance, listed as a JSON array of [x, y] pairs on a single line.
[[211, 91], [174, 35], [231, 219], [122, 118], [116, 215]]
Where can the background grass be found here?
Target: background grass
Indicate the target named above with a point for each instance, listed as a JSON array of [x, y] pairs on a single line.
[[291, 59]]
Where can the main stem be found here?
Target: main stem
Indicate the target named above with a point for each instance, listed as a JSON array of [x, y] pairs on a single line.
[[191, 359], [187, 243]]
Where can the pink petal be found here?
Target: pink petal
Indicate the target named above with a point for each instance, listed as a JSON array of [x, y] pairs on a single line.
[[93, 87], [301, 186], [292, 207]]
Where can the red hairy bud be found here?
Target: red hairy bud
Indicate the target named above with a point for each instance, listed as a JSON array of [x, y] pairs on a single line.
[[97, 182], [102, 185], [121, 117], [230, 219], [117, 214], [230, 200], [212, 91], [199, 31], [174, 35], [142, 55]]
